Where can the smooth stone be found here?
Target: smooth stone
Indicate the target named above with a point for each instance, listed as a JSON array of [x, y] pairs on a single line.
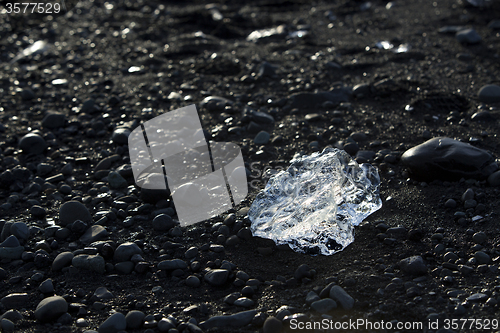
[[102, 293], [361, 90], [479, 237], [44, 169], [62, 260], [10, 241], [14, 300], [11, 252], [113, 324], [262, 138], [7, 326], [239, 319], [324, 306], [468, 36], [413, 265], [12, 315], [20, 230], [272, 325], [94, 233], [170, 265], [478, 297], [165, 324], [125, 251], [106, 162], [262, 117], [305, 100], [494, 179], [193, 281], [46, 287], [489, 93], [94, 263], [482, 258], [244, 302], [120, 135], [312, 297], [494, 24], [116, 181], [71, 211], [163, 222], [38, 211], [447, 159], [51, 308], [217, 277], [124, 267], [134, 319], [482, 116], [32, 143], [215, 103], [338, 294], [301, 272], [53, 120]]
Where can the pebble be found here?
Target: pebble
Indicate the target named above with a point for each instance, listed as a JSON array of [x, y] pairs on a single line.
[[51, 308], [312, 297], [482, 116], [272, 325], [7, 325], [338, 294], [450, 203], [125, 251], [489, 93], [71, 211], [115, 323], [262, 138], [494, 179], [32, 143], [106, 163], [116, 181], [239, 319], [15, 300], [166, 324], [134, 319], [303, 271], [447, 159], [20, 230], [94, 263], [479, 237], [163, 222], [93, 234], [193, 281], [413, 265], [170, 265], [244, 302], [482, 258], [324, 306], [494, 24], [216, 277], [38, 211], [53, 120], [262, 117], [46, 287], [62, 260], [120, 135], [468, 36], [102, 293], [478, 297]]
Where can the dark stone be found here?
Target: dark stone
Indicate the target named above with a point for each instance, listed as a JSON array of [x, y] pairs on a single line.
[[447, 159], [32, 143], [413, 265], [53, 120], [312, 100]]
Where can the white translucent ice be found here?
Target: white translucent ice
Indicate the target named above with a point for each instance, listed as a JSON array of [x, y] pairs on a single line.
[[314, 205]]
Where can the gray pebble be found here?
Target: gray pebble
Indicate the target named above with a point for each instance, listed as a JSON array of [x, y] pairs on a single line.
[[272, 325], [482, 258], [262, 138], [338, 294], [191, 253], [125, 251], [115, 180], [413, 265], [124, 267], [7, 326], [51, 308], [479, 237], [478, 297], [239, 319], [468, 36], [244, 302], [62, 260], [73, 210], [324, 306], [102, 293], [37, 211], [44, 169], [20, 230], [94, 263], [120, 135], [163, 222], [450, 203], [10, 241], [489, 93], [46, 287], [134, 319], [14, 300], [32, 143], [494, 179], [170, 265], [217, 277], [192, 281], [53, 120], [113, 324], [166, 324], [312, 297], [93, 234], [262, 117], [468, 195]]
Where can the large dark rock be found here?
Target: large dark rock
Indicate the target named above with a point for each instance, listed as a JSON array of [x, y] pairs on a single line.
[[306, 100], [447, 159]]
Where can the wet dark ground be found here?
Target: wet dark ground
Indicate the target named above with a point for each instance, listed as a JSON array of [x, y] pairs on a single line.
[[130, 56]]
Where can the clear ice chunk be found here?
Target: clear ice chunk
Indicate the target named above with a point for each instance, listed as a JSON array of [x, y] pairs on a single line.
[[314, 205]]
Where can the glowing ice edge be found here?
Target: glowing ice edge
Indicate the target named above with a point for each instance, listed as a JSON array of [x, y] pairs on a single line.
[[314, 205]]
